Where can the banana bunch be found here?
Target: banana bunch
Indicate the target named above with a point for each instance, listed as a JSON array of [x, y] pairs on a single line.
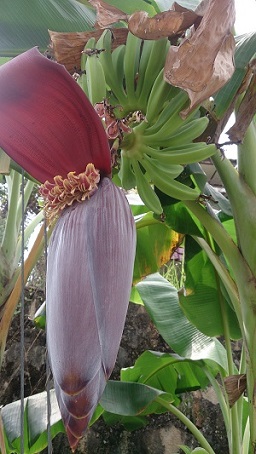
[[154, 146]]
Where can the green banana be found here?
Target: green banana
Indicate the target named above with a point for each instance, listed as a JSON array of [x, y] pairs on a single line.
[[82, 80], [154, 65], [160, 94], [172, 170], [131, 65], [105, 57], [118, 62], [184, 135], [168, 185], [125, 173], [186, 154], [95, 77], [145, 190], [170, 114], [146, 47], [171, 128]]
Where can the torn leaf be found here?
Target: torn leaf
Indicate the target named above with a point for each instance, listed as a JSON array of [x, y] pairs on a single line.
[[107, 14], [203, 62], [245, 113], [165, 24]]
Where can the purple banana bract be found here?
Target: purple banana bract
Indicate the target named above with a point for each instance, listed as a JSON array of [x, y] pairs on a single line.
[[89, 276]]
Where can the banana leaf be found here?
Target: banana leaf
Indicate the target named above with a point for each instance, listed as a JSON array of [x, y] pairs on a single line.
[[167, 372], [162, 303], [35, 423], [245, 50], [121, 398], [205, 300], [164, 5], [24, 24]]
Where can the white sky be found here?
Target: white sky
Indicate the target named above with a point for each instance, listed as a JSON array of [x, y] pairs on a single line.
[[245, 16]]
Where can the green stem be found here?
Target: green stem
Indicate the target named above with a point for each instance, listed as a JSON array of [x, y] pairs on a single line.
[[242, 364], [243, 203], [222, 402], [248, 306], [8, 287], [222, 238], [246, 438], [240, 402], [235, 432], [235, 445], [193, 429], [27, 193], [9, 240], [247, 157], [27, 233], [225, 277]]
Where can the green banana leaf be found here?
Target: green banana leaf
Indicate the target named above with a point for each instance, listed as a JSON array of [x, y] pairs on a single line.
[[245, 50], [187, 450], [228, 224], [35, 423], [179, 218], [162, 303], [150, 6], [24, 24], [164, 5], [131, 399], [129, 403], [119, 398], [155, 243], [167, 372], [204, 299]]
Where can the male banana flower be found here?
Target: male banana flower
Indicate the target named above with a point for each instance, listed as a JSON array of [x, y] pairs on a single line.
[[48, 126]]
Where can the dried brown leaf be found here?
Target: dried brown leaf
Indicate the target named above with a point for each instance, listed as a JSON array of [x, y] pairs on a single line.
[[107, 14], [235, 385], [67, 47], [203, 62], [245, 114], [222, 71], [202, 7], [165, 24]]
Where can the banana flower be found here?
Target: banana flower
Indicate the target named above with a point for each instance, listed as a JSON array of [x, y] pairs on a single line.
[[48, 126]]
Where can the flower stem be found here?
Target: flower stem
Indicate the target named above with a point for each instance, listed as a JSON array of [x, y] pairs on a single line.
[[189, 424]]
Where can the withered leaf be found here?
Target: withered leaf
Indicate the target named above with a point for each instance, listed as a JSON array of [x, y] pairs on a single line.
[[223, 69], [245, 113], [203, 62], [66, 47], [235, 385], [165, 24], [107, 14]]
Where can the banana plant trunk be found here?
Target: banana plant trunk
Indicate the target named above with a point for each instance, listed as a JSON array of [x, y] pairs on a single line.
[[240, 188]]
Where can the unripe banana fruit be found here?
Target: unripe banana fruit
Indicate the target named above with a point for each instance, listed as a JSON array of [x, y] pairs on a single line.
[[155, 142]]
